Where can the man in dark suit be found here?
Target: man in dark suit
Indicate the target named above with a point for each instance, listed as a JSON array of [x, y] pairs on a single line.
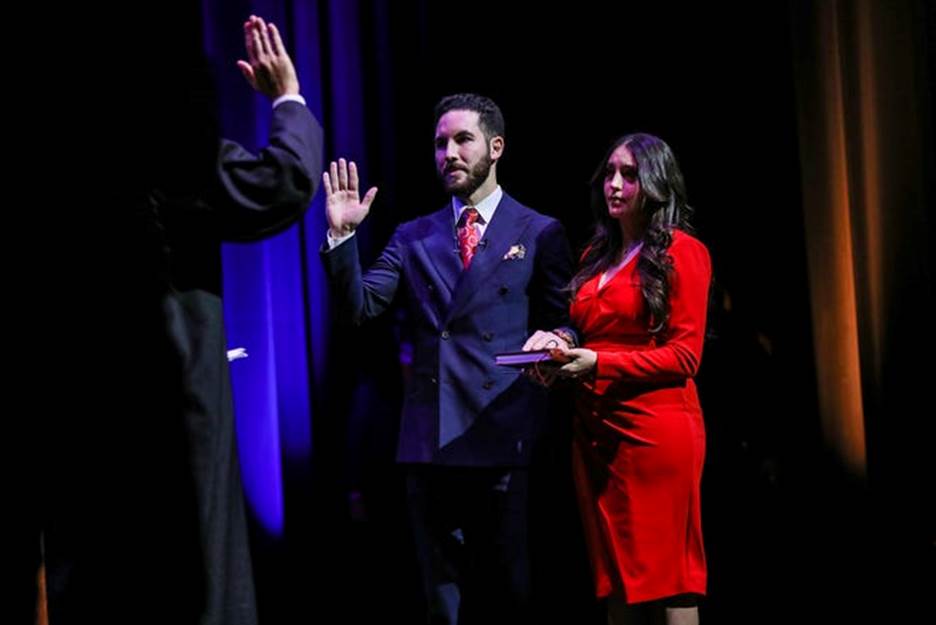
[[475, 277], [144, 518]]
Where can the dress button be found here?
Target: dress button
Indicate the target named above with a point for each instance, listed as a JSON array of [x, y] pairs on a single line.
[[488, 385], [445, 335], [487, 336]]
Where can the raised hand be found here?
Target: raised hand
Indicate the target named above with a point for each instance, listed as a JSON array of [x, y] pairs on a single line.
[[343, 207], [268, 67]]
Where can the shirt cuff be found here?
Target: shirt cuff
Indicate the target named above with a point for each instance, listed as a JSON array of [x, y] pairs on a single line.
[[289, 98], [334, 242]]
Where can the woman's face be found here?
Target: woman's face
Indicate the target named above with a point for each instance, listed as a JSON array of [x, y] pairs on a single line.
[[621, 185]]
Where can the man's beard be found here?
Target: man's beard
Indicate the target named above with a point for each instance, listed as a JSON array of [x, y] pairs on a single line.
[[474, 178]]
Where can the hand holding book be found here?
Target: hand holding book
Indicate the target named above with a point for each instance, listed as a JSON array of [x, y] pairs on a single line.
[[541, 365], [545, 365], [525, 359]]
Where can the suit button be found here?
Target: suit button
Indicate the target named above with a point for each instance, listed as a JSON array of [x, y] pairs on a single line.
[[434, 380], [487, 336], [503, 290], [488, 385], [429, 286], [445, 335]]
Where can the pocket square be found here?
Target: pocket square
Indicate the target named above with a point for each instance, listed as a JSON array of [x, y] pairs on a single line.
[[516, 252]]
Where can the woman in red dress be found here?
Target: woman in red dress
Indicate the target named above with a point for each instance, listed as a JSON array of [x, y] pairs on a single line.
[[639, 304]]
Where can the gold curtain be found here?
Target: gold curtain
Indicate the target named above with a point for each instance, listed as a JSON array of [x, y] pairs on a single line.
[[861, 81]]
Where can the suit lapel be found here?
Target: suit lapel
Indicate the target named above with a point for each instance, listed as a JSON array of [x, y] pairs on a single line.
[[442, 249]]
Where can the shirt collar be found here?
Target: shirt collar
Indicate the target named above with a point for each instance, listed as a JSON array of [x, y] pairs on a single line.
[[485, 207]]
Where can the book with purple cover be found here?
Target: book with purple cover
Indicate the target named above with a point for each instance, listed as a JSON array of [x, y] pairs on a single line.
[[522, 359]]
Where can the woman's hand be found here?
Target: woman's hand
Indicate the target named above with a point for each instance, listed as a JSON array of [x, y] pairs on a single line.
[[581, 362]]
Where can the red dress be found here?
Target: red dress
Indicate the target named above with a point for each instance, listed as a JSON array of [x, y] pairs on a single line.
[[639, 436]]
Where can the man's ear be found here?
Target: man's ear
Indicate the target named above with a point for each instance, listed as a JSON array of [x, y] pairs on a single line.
[[496, 147]]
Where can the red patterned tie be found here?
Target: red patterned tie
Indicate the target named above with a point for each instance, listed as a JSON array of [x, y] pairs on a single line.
[[468, 236]]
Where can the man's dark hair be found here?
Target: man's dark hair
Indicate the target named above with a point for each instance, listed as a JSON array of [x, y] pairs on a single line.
[[490, 117]]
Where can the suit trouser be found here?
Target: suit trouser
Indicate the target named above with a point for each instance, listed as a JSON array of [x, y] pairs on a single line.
[[470, 530]]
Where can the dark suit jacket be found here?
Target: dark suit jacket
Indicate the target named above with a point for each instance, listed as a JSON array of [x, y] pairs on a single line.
[[251, 197], [254, 196], [460, 409], [146, 514]]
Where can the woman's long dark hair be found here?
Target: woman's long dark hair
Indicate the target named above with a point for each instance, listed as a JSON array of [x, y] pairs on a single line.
[[663, 208]]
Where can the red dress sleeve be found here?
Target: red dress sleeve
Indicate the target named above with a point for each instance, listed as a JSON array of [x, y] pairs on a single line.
[[679, 353]]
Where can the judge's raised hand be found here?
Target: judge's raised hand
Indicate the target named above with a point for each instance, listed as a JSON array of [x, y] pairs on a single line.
[[268, 67], [344, 208]]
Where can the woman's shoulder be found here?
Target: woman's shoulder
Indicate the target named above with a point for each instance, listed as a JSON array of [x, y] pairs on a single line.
[[684, 240], [688, 246]]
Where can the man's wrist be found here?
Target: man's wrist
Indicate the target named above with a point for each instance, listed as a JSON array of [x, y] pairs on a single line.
[[334, 241], [340, 232], [566, 336]]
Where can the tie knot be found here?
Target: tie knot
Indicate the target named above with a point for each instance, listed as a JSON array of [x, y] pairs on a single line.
[[468, 217]]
